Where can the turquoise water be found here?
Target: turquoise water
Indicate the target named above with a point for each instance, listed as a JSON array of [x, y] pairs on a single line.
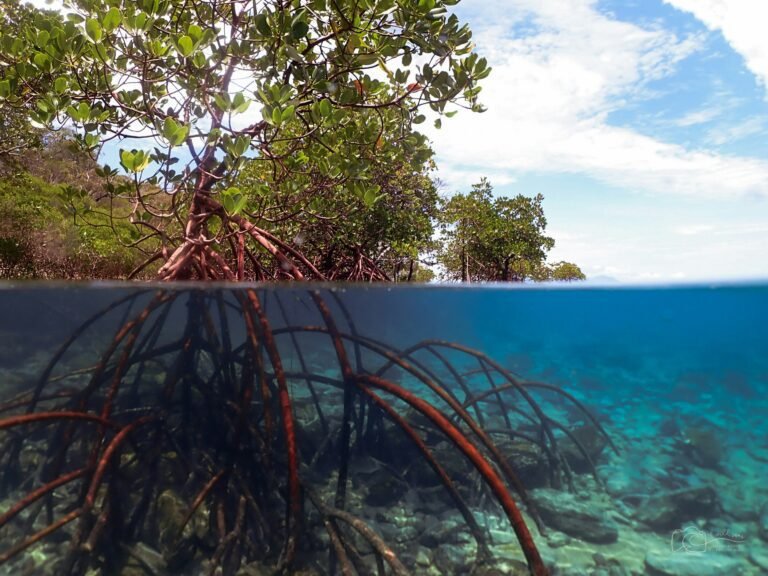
[[674, 379]]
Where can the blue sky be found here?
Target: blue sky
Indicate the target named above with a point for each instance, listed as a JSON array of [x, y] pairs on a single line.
[[642, 122]]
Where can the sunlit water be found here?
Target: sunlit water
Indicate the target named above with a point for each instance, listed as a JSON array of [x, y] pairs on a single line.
[[676, 376]]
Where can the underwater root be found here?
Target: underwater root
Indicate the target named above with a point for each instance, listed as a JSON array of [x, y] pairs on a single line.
[[224, 428]]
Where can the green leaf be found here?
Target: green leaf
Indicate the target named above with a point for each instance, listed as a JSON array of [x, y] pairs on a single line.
[[199, 59], [5, 89], [186, 45], [41, 60], [299, 29], [158, 48], [83, 111], [222, 102], [39, 121], [42, 38], [174, 132], [277, 117], [126, 160], [134, 160], [369, 197], [239, 103], [180, 136], [241, 144], [367, 59], [324, 108], [266, 113], [195, 32], [141, 20], [140, 161], [170, 127], [91, 140], [288, 114], [438, 123], [93, 29], [239, 204], [151, 6], [263, 26], [60, 85], [112, 19], [233, 200]]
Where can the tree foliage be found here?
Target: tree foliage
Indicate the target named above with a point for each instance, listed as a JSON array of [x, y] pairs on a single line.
[[487, 238], [565, 272], [322, 93], [371, 233], [16, 134], [52, 231]]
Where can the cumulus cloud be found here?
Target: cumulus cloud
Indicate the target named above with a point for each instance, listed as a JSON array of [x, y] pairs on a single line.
[[742, 24], [551, 93]]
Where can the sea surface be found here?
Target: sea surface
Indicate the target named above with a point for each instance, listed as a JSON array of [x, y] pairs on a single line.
[[634, 418]]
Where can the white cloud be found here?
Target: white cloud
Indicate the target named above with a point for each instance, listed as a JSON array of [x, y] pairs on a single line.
[[694, 229], [742, 23], [696, 117], [744, 229], [458, 179], [552, 90], [695, 252], [727, 133]]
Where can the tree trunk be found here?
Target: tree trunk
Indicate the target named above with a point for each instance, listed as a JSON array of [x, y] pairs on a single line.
[[464, 259]]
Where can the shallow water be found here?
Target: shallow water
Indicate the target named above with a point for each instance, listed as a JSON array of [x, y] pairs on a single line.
[[676, 377]]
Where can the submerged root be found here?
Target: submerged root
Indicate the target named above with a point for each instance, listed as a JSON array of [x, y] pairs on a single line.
[[238, 436]]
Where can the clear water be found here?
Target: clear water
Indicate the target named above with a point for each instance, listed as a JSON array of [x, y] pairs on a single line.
[[676, 377]]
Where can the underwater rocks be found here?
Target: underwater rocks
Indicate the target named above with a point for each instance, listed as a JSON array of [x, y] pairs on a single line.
[[385, 491], [762, 522], [608, 566], [583, 455], [581, 519], [759, 557], [703, 445], [693, 564], [453, 559], [176, 541], [738, 505], [672, 509], [259, 569], [143, 560], [529, 463], [437, 531], [759, 453]]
